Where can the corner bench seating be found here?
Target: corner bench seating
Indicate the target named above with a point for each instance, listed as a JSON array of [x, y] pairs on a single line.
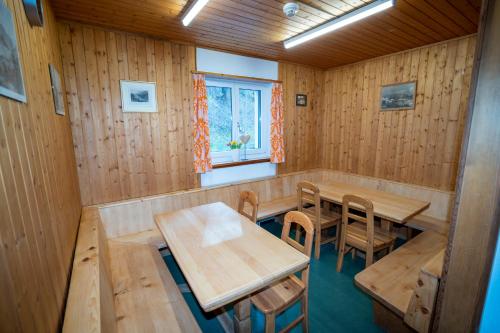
[[404, 283], [121, 286], [134, 219], [114, 235]]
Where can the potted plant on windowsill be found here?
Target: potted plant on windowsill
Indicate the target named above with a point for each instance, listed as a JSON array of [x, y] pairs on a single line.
[[235, 150]]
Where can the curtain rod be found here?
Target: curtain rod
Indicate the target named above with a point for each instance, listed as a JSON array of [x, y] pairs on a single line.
[[237, 76]]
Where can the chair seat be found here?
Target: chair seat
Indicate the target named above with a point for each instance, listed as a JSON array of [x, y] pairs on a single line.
[[279, 295], [326, 219], [356, 236]]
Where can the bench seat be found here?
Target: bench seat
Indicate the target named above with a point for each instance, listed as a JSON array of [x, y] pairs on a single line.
[[146, 296], [276, 207], [122, 285], [395, 282], [147, 237], [392, 279], [424, 222]]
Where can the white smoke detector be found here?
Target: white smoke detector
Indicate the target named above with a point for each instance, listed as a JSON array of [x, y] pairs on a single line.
[[290, 9]]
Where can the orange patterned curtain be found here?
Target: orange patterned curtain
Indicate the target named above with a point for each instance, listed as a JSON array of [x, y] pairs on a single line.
[[201, 132], [277, 141]]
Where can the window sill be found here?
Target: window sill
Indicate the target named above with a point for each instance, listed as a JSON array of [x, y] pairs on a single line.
[[246, 162]]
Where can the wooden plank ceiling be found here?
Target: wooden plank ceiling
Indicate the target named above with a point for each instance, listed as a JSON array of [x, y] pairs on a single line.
[[258, 27]]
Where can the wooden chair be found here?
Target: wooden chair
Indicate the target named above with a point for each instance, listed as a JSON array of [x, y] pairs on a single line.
[[279, 296], [308, 194], [362, 234], [251, 198]]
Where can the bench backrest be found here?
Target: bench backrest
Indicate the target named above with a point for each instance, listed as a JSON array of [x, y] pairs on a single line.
[[90, 305], [131, 216]]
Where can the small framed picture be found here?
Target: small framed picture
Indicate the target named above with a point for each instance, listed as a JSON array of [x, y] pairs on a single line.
[[300, 100], [57, 92], [138, 96], [400, 96], [11, 75]]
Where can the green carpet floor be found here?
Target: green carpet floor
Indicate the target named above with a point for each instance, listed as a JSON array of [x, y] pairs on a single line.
[[335, 303]]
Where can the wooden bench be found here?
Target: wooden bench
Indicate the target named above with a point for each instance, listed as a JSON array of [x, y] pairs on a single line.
[[121, 286], [424, 222], [276, 207], [404, 283]]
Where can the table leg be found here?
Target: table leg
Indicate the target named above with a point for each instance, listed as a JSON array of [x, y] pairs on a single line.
[[385, 225], [242, 322]]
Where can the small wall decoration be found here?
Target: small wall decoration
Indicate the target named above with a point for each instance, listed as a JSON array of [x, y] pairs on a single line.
[[34, 12], [11, 76], [138, 96], [57, 92], [300, 100], [399, 96]]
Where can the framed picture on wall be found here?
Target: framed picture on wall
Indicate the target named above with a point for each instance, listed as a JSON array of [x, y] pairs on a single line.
[[400, 96], [138, 96], [11, 76], [301, 100], [57, 92]]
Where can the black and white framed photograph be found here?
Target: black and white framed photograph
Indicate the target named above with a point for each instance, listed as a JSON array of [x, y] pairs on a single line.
[[300, 100], [11, 76], [57, 91], [399, 96], [138, 96]]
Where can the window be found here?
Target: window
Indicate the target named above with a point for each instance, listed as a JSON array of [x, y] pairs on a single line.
[[236, 108]]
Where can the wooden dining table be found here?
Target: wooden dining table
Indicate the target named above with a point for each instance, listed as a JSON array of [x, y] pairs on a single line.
[[390, 207], [225, 257]]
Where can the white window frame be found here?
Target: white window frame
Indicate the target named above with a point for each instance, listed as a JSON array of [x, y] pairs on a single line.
[[265, 116]]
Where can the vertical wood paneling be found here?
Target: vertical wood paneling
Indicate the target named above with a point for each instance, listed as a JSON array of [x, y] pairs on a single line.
[[418, 146], [301, 123], [128, 155], [39, 196], [125, 155]]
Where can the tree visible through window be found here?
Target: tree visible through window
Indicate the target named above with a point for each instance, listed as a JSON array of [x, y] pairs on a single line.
[[236, 108], [220, 117]]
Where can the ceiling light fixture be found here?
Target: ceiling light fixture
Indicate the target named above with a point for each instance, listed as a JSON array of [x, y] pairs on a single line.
[[193, 10], [339, 22]]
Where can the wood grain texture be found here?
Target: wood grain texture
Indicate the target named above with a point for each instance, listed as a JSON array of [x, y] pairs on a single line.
[[128, 155], [418, 146], [39, 198], [125, 155], [386, 205], [468, 264], [90, 304], [259, 27], [223, 255], [301, 123], [147, 299], [392, 280]]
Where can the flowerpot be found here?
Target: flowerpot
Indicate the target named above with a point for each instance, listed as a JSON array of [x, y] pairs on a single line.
[[235, 154]]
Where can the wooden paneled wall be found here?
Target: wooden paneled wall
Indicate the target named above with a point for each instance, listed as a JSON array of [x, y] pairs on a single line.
[[126, 155], [418, 146], [120, 155], [39, 197], [301, 125]]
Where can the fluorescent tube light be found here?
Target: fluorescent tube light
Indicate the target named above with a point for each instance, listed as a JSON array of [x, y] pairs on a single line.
[[193, 10], [339, 22]]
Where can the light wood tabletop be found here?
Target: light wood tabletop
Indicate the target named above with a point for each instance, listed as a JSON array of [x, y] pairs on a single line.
[[224, 256], [392, 279], [388, 206]]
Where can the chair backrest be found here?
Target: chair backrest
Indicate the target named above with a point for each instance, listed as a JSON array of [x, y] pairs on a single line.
[[308, 193], [250, 198], [352, 208], [307, 225]]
